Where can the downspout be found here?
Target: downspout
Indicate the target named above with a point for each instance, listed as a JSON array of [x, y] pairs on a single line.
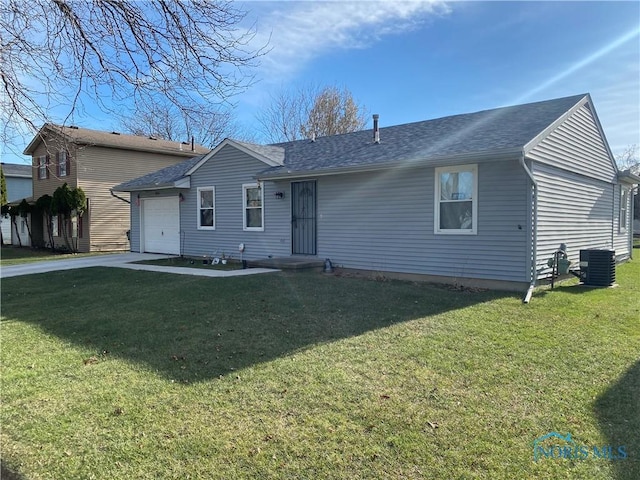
[[119, 198], [534, 230], [615, 227]]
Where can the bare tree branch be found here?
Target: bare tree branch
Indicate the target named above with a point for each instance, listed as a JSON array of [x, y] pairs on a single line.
[[311, 111], [53, 53], [163, 120], [629, 159]]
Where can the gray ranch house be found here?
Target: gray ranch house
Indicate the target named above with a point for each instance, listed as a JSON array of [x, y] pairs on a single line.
[[482, 198]]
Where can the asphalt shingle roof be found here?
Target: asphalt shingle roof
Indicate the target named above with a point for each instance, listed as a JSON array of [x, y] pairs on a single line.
[[484, 132], [16, 170], [160, 178], [472, 133], [86, 136], [272, 152]]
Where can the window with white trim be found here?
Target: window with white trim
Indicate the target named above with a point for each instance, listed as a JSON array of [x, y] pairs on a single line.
[[206, 208], [252, 203], [624, 207], [62, 164], [456, 200], [42, 167]]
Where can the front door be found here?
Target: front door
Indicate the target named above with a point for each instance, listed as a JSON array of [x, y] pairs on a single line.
[[303, 218]]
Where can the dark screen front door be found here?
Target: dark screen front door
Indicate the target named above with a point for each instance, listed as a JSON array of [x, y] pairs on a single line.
[[303, 218]]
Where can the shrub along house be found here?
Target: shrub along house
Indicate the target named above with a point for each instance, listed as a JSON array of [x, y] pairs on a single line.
[[480, 198], [95, 161]]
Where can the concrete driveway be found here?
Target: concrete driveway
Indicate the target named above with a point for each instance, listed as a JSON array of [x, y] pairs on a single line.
[[120, 260]]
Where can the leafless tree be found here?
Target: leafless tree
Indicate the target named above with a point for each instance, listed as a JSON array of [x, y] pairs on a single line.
[[282, 119], [53, 53], [164, 120], [334, 111], [629, 159], [311, 111]]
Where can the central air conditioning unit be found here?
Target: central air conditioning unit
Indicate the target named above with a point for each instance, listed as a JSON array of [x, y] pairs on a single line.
[[598, 267]]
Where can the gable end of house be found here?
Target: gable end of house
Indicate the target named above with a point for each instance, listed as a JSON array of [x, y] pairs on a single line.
[[575, 143]]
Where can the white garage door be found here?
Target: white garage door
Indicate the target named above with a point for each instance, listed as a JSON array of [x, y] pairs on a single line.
[[161, 225]]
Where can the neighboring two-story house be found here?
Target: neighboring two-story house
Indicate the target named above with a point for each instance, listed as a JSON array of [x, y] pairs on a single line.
[[95, 161], [18, 180]]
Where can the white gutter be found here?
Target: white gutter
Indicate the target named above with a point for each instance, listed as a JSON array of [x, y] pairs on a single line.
[[534, 232]]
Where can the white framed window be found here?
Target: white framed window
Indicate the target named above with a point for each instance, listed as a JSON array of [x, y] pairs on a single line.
[[252, 205], [42, 167], [624, 208], [63, 166], [456, 200], [206, 208], [54, 226]]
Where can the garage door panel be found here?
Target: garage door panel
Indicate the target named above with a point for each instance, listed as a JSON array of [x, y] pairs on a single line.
[[161, 225]]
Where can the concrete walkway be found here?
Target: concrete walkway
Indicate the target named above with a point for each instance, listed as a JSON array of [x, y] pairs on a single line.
[[120, 260]]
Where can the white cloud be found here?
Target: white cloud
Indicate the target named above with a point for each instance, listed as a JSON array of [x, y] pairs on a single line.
[[299, 32]]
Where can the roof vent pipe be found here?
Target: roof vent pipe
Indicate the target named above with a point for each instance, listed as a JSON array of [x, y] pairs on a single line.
[[193, 144], [376, 130]]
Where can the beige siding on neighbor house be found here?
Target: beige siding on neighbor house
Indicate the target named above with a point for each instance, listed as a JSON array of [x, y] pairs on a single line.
[[46, 186], [96, 170], [99, 170]]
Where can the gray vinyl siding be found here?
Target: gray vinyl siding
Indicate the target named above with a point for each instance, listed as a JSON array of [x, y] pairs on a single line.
[[578, 199], [377, 221], [572, 209], [227, 172], [383, 221], [577, 145]]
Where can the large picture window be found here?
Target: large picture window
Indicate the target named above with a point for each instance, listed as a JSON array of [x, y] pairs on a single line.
[[252, 199], [456, 200], [206, 208]]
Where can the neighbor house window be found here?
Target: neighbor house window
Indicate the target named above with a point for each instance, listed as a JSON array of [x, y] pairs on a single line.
[[252, 196], [42, 167], [207, 208], [63, 164], [456, 200], [624, 205]]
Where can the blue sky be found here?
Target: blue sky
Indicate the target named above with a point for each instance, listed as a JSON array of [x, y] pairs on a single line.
[[410, 61]]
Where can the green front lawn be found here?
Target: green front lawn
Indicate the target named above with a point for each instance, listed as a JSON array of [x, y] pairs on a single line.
[[119, 374]]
